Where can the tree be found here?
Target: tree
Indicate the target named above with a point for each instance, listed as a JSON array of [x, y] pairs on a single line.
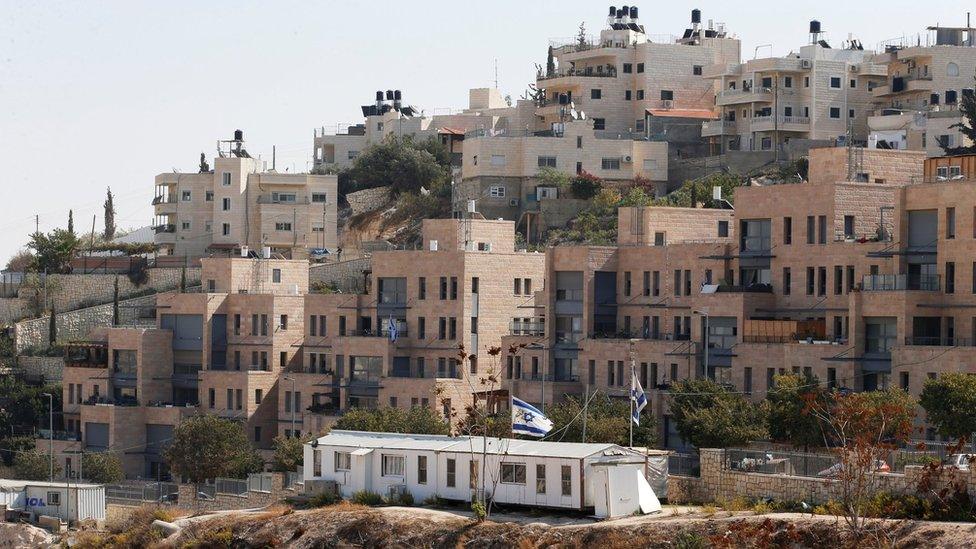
[[581, 41], [53, 251], [183, 280], [689, 194], [20, 262], [206, 447], [288, 453], [967, 108], [865, 428], [550, 63], [52, 327], [71, 222], [788, 420], [24, 406], [950, 404], [607, 420], [109, 215], [11, 446], [709, 416], [585, 186], [399, 164], [102, 467], [115, 303], [417, 420], [34, 465]]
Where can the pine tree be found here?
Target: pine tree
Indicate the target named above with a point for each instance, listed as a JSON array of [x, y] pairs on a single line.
[[550, 63], [581, 40], [115, 303], [967, 107], [71, 222], [109, 216]]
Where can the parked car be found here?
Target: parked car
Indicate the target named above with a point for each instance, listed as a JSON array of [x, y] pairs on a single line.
[[835, 470], [960, 461]]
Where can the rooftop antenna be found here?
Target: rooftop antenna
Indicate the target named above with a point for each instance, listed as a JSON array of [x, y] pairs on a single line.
[[496, 73]]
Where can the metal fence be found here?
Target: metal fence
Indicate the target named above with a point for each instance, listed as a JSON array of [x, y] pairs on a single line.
[[773, 462], [259, 482], [688, 465], [230, 486], [293, 478], [136, 494]]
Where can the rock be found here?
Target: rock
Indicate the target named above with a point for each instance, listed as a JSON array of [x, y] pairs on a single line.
[[24, 535]]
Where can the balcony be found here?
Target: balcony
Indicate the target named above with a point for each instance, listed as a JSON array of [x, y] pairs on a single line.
[[576, 77], [939, 341], [639, 334], [569, 295], [721, 69], [714, 128], [105, 401], [568, 337], [904, 84], [531, 328], [164, 204], [738, 97], [70, 436], [780, 123], [900, 282], [747, 289], [165, 228], [86, 355], [286, 199]]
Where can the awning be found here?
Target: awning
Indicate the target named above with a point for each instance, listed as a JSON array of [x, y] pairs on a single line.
[[362, 452], [701, 114]]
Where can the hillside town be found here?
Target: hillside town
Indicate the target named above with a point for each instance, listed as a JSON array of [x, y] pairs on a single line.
[[671, 279]]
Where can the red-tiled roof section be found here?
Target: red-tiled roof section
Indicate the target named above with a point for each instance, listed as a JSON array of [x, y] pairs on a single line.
[[450, 131]]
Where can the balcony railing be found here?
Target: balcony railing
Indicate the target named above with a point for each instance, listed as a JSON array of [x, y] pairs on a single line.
[[568, 337], [747, 289], [165, 228], [96, 400], [531, 328], [160, 199], [288, 200], [900, 282], [569, 295], [939, 341], [58, 435], [588, 72]]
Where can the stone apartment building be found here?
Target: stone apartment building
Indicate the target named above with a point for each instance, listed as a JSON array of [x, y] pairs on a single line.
[[240, 204], [862, 282], [816, 94], [927, 77], [255, 346]]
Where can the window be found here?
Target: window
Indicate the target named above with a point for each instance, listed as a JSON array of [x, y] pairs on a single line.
[[451, 473], [566, 479], [627, 95], [628, 68], [579, 142], [513, 473], [258, 395], [392, 466], [811, 229], [225, 229], [257, 433], [835, 112], [811, 274], [186, 196], [497, 160], [318, 198], [225, 179], [822, 229], [806, 81], [696, 70], [540, 478], [950, 223], [787, 282], [208, 196], [422, 288], [211, 285], [853, 83], [610, 164], [787, 81], [667, 95], [723, 229], [640, 67], [787, 230], [343, 461], [276, 275], [596, 93], [599, 124], [421, 469], [848, 226], [283, 225], [225, 204], [283, 322], [53, 499], [547, 161], [454, 287], [496, 191], [185, 226], [835, 82], [640, 95], [212, 397], [950, 276]]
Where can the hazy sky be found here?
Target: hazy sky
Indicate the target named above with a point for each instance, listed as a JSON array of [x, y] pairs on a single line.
[[97, 94]]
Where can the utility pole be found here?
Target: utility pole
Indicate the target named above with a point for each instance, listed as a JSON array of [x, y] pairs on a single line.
[[586, 404], [91, 242], [50, 428], [37, 223]]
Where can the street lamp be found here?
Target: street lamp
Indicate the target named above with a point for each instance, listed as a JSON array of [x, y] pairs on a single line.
[[50, 429], [704, 313]]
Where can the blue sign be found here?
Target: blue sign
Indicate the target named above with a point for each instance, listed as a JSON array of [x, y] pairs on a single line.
[[36, 502]]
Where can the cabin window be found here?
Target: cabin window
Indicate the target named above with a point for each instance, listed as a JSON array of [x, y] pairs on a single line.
[[451, 473], [540, 479], [343, 461], [566, 475], [421, 469], [513, 473], [392, 466]]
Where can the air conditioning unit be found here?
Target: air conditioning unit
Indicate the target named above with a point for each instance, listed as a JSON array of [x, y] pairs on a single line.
[[628, 158], [433, 245], [855, 68], [513, 202], [806, 64], [668, 103]]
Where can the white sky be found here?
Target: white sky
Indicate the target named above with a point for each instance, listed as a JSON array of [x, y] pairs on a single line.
[[96, 94]]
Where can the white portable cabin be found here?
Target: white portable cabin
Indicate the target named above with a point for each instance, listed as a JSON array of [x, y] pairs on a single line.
[[68, 502], [608, 478]]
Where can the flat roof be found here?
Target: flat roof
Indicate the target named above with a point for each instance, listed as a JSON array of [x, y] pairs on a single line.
[[11, 484]]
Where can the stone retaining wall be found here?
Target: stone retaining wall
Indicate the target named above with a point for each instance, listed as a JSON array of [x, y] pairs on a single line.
[[347, 275], [368, 200], [76, 325], [48, 368], [717, 483]]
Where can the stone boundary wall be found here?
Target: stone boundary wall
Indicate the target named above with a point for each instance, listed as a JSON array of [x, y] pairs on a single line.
[[188, 497], [76, 325], [12, 309], [72, 291], [48, 368], [368, 200], [719, 484], [347, 275]]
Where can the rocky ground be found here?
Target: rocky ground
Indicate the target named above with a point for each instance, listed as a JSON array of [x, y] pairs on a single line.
[[347, 525], [23, 535]]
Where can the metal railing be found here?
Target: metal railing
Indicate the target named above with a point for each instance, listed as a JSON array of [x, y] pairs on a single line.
[[569, 295], [939, 341], [897, 282], [288, 200], [294, 478], [134, 493], [59, 435], [771, 462], [608, 72], [530, 328], [262, 482], [688, 465]]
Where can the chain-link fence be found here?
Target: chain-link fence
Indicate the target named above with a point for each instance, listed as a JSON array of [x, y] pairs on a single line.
[[688, 465], [139, 493], [772, 462]]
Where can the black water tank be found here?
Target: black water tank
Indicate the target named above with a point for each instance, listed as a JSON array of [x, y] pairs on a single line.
[[814, 27], [696, 16], [613, 11], [633, 12], [238, 135], [397, 96], [389, 95], [379, 95], [626, 11]]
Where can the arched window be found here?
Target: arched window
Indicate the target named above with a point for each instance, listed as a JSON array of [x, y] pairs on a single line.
[[952, 69]]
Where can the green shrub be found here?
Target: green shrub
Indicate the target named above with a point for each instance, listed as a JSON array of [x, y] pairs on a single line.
[[762, 508], [478, 508], [365, 497], [403, 500], [690, 540], [324, 499], [434, 501]]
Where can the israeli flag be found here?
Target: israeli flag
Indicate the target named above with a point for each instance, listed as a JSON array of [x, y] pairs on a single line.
[[392, 329], [638, 396], [528, 420]]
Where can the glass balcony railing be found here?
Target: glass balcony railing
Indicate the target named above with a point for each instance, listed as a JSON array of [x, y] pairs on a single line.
[[900, 282]]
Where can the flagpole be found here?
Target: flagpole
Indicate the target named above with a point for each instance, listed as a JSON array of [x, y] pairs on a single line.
[[630, 420], [586, 404]]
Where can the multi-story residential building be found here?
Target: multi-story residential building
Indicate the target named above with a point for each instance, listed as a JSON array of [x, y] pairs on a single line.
[[255, 346], [860, 281], [487, 111], [820, 93], [927, 78], [239, 204]]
